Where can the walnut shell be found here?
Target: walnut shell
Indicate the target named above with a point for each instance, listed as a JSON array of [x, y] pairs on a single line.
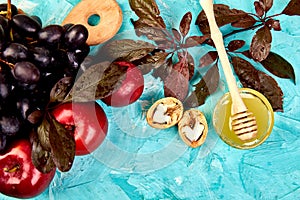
[[193, 128], [165, 113]]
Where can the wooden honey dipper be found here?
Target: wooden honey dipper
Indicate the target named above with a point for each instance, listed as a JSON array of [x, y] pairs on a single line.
[[243, 122]]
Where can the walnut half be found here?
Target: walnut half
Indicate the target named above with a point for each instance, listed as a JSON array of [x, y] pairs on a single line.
[[193, 128], [165, 113]]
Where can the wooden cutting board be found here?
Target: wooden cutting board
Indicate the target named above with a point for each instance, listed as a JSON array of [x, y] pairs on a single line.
[[110, 19]]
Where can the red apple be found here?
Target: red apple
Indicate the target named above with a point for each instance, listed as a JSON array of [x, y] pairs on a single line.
[[18, 176], [131, 89], [89, 122]]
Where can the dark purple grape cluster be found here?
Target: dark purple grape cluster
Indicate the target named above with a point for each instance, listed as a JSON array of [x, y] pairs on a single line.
[[32, 59]]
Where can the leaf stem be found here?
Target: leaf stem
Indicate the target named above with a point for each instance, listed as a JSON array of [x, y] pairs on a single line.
[[242, 30], [275, 15], [7, 63]]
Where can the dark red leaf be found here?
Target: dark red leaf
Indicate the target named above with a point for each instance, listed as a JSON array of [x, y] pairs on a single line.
[[250, 77], [274, 24], [62, 145], [41, 158], [148, 10], [176, 83], [245, 22], [164, 70], [208, 59], [259, 8], [61, 89], [293, 8], [223, 14], [185, 24], [235, 45], [261, 44], [278, 66], [190, 62], [126, 49], [193, 41], [207, 86], [210, 42], [97, 82], [150, 30], [150, 23], [151, 61], [177, 35], [267, 4]]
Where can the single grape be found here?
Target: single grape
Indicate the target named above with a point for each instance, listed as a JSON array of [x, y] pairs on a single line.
[[41, 57], [5, 25], [9, 124], [5, 85], [51, 35], [82, 52], [25, 25], [67, 26], [16, 52], [38, 19], [72, 59], [23, 105], [26, 72], [14, 10], [76, 36]]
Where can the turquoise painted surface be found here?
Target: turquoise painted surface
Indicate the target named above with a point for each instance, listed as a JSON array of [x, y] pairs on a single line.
[[138, 162]]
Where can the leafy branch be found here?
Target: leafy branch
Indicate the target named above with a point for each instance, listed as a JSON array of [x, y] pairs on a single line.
[[168, 56]]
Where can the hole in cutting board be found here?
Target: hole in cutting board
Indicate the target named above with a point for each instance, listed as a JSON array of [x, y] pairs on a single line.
[[94, 20]]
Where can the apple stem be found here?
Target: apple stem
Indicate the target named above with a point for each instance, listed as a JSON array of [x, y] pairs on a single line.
[[13, 169]]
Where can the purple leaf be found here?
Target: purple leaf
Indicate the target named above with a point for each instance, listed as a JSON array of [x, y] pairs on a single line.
[[250, 77], [293, 8], [207, 86], [273, 24], [278, 66], [235, 45], [193, 41], [259, 8], [223, 14], [245, 22], [208, 59], [176, 83], [267, 4], [148, 10], [177, 35], [185, 24], [261, 44], [190, 62]]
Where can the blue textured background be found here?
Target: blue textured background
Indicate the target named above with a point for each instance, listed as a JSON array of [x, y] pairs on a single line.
[[138, 162]]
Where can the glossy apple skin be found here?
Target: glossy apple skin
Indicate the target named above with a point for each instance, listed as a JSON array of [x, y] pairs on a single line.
[[131, 89], [89, 122], [25, 181]]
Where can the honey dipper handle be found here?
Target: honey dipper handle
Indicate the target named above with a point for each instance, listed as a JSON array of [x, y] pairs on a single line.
[[216, 35]]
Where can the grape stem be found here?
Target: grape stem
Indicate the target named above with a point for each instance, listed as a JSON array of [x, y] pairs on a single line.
[[8, 14], [12, 66]]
